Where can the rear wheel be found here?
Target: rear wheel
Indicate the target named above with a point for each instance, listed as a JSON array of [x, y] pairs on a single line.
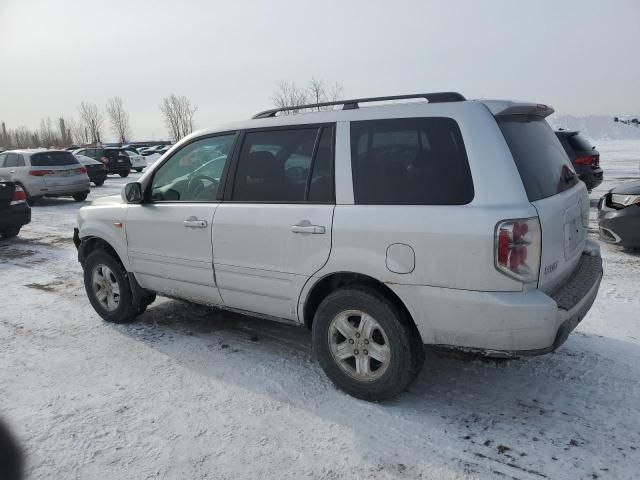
[[124, 174], [108, 288], [99, 183], [10, 233], [365, 344], [138, 170], [80, 197]]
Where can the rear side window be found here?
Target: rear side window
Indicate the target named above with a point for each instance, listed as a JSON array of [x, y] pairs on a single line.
[[53, 159], [543, 164], [410, 161], [579, 143], [286, 166]]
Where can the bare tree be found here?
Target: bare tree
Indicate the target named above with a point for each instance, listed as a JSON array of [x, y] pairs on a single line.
[[92, 119], [289, 94], [22, 137], [79, 134], [47, 136], [119, 119], [178, 112]]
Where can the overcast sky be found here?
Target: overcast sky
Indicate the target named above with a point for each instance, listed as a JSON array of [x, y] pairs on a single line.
[[227, 56]]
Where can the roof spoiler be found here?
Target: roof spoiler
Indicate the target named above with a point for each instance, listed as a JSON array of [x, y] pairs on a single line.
[[501, 108]]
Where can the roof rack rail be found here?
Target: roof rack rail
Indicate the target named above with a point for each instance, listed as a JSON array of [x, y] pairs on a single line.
[[436, 97]]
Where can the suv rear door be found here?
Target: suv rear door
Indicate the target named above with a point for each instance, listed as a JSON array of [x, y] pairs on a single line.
[[554, 190], [273, 232]]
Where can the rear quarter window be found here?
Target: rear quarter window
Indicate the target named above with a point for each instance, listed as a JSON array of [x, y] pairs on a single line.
[[541, 160], [410, 161], [580, 143], [53, 159]]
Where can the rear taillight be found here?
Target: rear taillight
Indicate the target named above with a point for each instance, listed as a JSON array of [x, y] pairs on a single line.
[[81, 170], [41, 173], [588, 160], [517, 248], [19, 196]]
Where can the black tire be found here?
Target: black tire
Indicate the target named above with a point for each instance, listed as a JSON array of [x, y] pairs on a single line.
[[405, 345], [124, 174], [10, 233], [138, 170], [99, 183], [80, 197], [126, 310]]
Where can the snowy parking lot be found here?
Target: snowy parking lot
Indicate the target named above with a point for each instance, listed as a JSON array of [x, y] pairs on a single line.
[[190, 392]]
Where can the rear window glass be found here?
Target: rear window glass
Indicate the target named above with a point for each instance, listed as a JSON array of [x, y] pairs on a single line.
[[410, 161], [543, 164], [52, 159], [579, 143]]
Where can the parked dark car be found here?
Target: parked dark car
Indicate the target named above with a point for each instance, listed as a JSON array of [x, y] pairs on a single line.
[[584, 157], [96, 170], [14, 209], [619, 215], [115, 158]]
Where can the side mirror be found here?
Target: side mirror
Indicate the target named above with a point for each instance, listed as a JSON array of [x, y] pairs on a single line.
[[132, 193]]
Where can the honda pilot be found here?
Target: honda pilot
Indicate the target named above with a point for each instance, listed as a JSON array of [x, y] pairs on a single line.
[[381, 228]]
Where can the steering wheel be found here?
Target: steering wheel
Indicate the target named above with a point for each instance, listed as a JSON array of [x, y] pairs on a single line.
[[196, 186]]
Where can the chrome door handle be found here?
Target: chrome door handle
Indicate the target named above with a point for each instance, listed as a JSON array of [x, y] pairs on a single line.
[[306, 227], [12, 171], [193, 222]]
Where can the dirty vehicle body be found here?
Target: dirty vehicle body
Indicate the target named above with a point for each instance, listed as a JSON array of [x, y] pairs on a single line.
[[45, 173], [619, 215], [382, 228]]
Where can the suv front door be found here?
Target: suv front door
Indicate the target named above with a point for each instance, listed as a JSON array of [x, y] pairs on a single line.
[[169, 234], [273, 231]]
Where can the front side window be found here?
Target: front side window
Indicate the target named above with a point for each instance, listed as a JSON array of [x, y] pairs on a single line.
[[3, 157], [278, 166], [410, 161], [193, 173]]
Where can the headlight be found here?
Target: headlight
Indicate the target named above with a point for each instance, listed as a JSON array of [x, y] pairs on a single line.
[[625, 200]]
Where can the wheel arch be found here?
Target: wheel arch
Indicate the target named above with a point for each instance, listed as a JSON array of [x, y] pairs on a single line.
[[333, 281]]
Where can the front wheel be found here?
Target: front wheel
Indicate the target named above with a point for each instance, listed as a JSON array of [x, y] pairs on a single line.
[[80, 196], [365, 344], [108, 288]]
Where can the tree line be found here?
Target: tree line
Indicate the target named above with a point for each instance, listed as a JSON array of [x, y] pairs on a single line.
[[177, 111], [91, 122]]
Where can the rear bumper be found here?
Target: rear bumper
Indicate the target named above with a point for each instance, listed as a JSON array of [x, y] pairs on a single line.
[[592, 177], [505, 324], [63, 190], [14, 217], [124, 168]]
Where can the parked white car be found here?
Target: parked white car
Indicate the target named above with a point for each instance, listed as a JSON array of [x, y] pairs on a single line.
[[45, 173], [455, 223], [138, 162]]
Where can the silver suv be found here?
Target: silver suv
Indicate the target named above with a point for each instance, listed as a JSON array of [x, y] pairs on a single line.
[[45, 173], [381, 228]]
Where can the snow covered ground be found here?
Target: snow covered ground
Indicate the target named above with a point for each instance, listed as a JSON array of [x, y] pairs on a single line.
[[188, 392]]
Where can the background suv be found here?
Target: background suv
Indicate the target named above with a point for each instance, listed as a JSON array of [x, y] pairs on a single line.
[[454, 223], [45, 173], [116, 159], [584, 157]]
